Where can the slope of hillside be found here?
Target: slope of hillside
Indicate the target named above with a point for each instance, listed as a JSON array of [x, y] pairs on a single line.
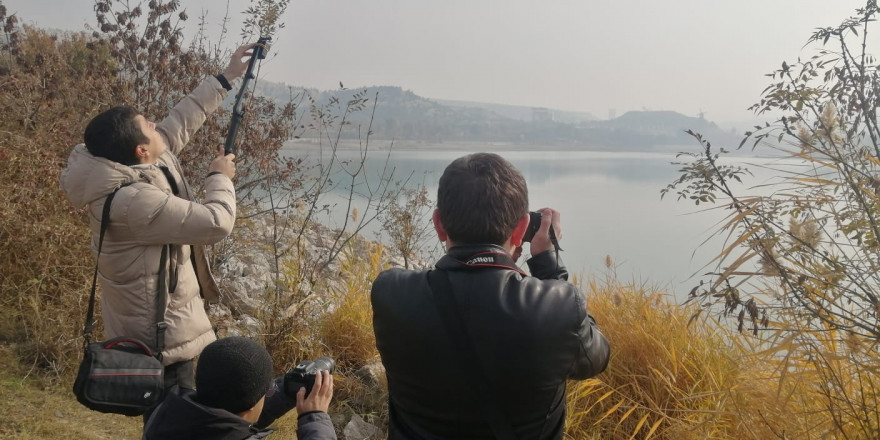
[[403, 115]]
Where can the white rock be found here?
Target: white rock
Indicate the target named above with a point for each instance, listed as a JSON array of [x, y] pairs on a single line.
[[358, 429]]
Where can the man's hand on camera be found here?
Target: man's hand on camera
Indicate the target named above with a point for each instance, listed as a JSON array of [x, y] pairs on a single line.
[[319, 398], [239, 62], [541, 241], [223, 164]]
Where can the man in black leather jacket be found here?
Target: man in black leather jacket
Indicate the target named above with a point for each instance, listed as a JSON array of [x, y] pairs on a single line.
[[527, 334]]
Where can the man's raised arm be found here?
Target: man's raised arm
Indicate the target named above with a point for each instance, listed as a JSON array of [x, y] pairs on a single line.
[[190, 113]]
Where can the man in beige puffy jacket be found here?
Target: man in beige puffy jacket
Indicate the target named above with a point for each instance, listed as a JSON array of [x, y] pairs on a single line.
[[154, 208]]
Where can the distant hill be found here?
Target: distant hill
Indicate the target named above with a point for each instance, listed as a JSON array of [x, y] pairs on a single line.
[[663, 128], [522, 113], [403, 115]]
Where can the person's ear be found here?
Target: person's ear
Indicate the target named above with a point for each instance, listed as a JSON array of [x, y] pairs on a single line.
[[438, 226], [520, 230], [141, 152]]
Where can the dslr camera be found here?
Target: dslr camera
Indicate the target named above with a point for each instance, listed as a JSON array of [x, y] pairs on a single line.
[[534, 225], [303, 375]]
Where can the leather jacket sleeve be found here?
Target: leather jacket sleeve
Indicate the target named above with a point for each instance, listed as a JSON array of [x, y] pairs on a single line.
[[594, 348], [547, 265], [594, 353]]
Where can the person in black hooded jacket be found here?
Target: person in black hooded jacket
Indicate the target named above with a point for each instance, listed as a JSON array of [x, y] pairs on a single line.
[[236, 399], [527, 334]]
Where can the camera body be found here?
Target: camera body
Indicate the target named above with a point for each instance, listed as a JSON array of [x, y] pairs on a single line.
[[303, 375], [534, 225]]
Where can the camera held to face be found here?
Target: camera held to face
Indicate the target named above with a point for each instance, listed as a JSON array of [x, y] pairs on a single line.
[[303, 375], [534, 225]]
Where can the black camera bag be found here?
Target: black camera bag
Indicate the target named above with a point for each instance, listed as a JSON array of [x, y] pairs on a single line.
[[121, 375]]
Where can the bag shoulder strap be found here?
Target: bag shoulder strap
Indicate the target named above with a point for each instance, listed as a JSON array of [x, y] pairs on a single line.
[[161, 326], [160, 297], [175, 189], [441, 290], [90, 313]]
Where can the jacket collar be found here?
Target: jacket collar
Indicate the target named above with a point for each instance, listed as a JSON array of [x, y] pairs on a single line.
[[475, 257], [152, 174], [181, 417], [87, 178]]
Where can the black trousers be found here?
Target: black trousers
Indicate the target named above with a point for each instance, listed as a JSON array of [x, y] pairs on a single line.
[[182, 374]]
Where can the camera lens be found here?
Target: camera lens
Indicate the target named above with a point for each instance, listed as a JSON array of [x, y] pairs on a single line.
[[325, 363]]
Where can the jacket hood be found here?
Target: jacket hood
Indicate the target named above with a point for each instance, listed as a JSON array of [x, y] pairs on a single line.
[[88, 178], [181, 417]]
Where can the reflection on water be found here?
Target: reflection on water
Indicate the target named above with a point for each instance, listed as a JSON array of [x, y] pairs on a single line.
[[610, 204]]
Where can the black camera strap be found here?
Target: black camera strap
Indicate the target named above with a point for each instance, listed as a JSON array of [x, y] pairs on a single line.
[[160, 296], [491, 259], [455, 326]]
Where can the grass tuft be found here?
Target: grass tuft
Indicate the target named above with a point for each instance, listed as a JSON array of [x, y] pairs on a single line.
[[664, 380]]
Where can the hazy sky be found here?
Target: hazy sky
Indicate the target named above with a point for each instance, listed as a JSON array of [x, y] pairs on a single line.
[[582, 55]]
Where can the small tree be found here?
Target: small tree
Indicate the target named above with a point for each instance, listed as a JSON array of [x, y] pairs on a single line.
[[802, 262], [407, 223]]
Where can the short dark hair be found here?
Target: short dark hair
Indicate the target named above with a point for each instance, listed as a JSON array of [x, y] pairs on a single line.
[[481, 198], [115, 135]]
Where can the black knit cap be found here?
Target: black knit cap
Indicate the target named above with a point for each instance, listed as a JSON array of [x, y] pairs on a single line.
[[233, 374]]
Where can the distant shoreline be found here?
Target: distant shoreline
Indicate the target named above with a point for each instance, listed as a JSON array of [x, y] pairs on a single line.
[[411, 145]]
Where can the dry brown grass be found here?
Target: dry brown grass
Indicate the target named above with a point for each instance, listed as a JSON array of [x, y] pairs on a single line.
[[335, 319], [347, 330], [670, 377], [664, 380], [34, 406], [43, 241], [674, 377]]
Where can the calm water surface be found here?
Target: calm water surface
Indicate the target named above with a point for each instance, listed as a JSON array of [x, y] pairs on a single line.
[[610, 205]]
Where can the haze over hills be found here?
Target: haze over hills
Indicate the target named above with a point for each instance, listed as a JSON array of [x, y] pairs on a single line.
[[402, 115], [522, 113]]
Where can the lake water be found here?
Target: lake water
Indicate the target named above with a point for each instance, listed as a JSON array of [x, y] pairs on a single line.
[[610, 205]]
